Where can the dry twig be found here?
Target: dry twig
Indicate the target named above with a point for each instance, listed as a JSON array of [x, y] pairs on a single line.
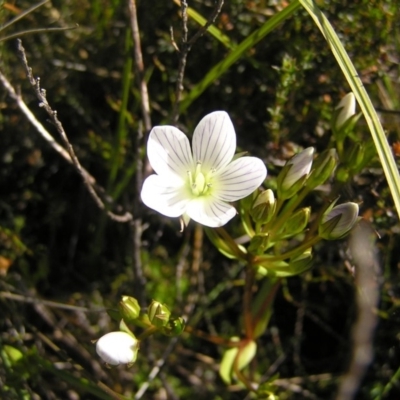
[[69, 155], [185, 47]]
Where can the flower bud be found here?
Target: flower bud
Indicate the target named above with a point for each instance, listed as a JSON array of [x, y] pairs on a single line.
[[158, 314], [292, 177], [345, 110], [174, 327], [353, 156], [248, 201], [258, 244], [117, 348], [264, 207], [323, 167], [129, 308], [295, 224], [337, 221], [301, 263]]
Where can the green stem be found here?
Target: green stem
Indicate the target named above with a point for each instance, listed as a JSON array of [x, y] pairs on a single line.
[[261, 259], [247, 301]]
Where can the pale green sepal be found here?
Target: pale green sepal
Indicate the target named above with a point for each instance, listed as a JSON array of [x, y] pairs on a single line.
[[246, 354], [229, 249], [226, 366], [123, 327]]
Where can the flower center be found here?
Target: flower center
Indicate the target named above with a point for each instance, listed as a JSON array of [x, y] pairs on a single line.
[[200, 183]]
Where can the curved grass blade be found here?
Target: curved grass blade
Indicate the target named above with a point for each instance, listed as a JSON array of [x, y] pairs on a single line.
[[374, 124]]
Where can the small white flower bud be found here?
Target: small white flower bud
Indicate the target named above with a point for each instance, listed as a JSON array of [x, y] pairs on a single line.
[[300, 167], [117, 348], [338, 221], [347, 107]]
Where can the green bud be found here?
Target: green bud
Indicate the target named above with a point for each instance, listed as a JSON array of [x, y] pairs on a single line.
[[342, 174], [174, 327], [258, 244], [159, 314], [248, 201], [295, 224], [129, 308], [294, 174], [301, 263], [264, 207], [322, 169], [353, 156], [338, 221]]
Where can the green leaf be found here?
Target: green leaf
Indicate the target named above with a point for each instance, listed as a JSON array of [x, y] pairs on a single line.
[[237, 53]]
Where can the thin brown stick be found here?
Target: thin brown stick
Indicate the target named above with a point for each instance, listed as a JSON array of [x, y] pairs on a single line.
[[185, 47], [88, 180], [139, 66], [142, 168]]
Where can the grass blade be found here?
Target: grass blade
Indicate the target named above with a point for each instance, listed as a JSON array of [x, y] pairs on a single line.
[[349, 71]]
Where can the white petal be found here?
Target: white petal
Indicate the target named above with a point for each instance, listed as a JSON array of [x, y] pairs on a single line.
[[239, 179], [117, 348], [210, 211], [158, 194], [214, 141], [169, 152]]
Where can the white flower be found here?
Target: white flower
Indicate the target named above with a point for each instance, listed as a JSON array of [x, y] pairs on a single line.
[[117, 348], [199, 186]]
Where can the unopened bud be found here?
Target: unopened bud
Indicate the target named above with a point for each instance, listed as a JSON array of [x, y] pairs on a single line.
[[294, 174], [301, 263], [117, 348], [338, 221], [258, 244], [264, 207], [158, 314], [322, 169], [295, 224], [174, 327], [129, 308], [345, 110]]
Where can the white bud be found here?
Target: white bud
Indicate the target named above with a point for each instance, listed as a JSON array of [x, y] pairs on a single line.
[[117, 348], [300, 166], [338, 221], [347, 107]]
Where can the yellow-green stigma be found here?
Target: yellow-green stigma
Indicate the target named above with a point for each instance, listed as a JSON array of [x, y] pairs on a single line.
[[200, 184]]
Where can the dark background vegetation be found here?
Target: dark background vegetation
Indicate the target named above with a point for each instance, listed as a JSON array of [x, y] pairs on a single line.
[[55, 244]]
